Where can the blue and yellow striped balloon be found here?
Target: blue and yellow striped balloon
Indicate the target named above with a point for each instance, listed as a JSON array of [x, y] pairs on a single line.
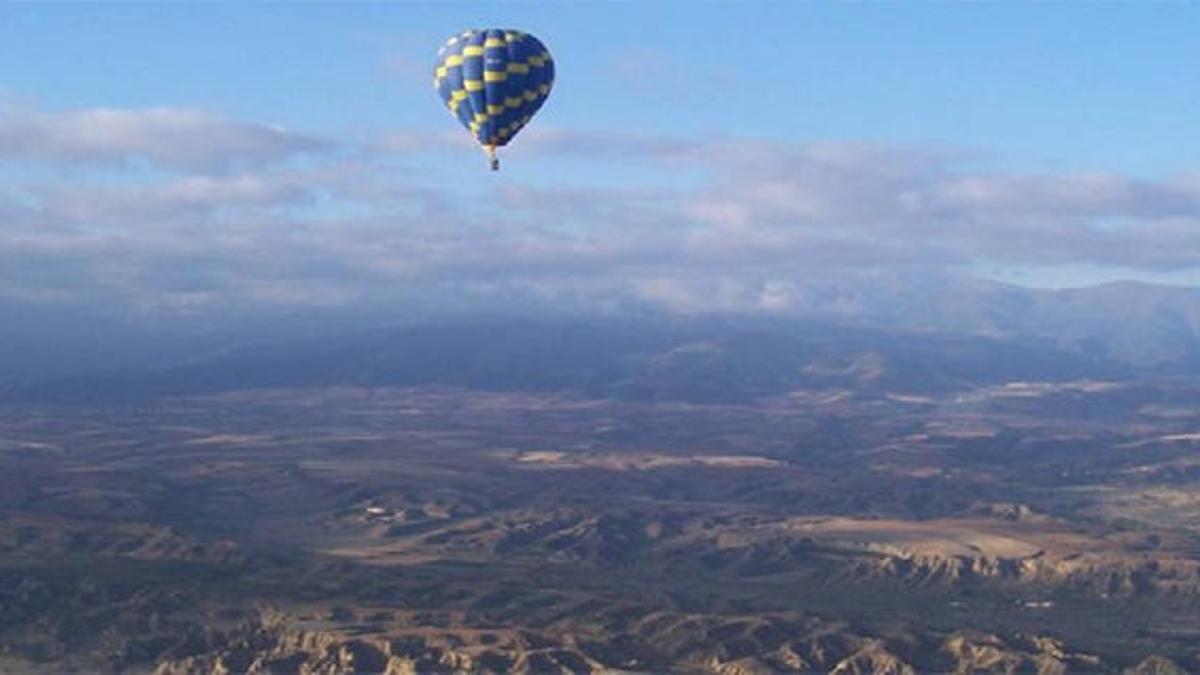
[[493, 81]]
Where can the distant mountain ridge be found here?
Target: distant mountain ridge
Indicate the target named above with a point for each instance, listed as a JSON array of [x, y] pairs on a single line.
[[1146, 325], [681, 359], [906, 334]]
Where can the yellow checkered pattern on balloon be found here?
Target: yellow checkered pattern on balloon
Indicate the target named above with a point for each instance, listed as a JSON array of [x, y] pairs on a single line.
[[493, 81]]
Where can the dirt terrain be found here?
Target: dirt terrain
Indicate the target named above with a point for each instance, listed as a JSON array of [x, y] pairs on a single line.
[[376, 529]]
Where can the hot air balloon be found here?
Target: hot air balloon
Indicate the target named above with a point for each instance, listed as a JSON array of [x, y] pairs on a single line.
[[493, 81]]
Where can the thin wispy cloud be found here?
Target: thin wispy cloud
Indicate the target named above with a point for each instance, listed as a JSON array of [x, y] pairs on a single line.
[[655, 74], [163, 138], [229, 220]]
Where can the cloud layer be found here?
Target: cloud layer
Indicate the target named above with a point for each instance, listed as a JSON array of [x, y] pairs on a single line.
[[180, 210], [165, 138]]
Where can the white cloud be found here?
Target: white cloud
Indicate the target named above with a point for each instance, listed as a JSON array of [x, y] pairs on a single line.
[[169, 199], [165, 138], [235, 224]]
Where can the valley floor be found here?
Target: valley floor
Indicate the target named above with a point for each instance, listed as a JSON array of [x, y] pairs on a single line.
[[1031, 526]]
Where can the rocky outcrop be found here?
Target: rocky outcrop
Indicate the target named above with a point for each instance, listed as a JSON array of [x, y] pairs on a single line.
[[271, 648], [1097, 574], [872, 659], [1156, 665]]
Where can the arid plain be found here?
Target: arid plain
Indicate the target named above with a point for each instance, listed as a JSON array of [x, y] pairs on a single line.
[[1026, 526]]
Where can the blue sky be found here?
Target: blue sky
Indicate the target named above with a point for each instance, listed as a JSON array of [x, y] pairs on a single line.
[[694, 155], [1064, 85]]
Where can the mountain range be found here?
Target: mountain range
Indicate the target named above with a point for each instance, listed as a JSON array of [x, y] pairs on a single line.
[[904, 336]]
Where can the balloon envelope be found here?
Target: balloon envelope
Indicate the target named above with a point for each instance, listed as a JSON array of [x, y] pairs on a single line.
[[493, 81]]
